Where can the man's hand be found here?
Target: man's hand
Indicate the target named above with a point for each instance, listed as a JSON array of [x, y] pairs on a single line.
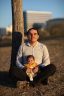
[[35, 70]]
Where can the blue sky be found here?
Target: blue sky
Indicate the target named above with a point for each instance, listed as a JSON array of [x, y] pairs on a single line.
[[55, 6]]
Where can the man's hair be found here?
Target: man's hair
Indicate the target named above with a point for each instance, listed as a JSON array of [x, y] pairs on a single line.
[[30, 56], [33, 29]]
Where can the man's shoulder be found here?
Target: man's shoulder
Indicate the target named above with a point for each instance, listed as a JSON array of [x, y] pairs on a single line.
[[22, 45], [42, 45]]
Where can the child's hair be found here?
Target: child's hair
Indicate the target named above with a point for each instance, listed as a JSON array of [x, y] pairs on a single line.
[[30, 56]]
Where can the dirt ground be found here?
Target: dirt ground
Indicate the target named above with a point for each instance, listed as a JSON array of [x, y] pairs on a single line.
[[56, 82]]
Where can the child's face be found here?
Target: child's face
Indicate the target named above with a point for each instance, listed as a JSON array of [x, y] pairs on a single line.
[[30, 60]]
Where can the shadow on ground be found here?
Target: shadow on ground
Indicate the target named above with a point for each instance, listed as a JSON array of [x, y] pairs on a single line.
[[6, 80]]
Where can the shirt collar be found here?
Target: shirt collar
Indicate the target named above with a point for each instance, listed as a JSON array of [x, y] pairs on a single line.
[[28, 43]]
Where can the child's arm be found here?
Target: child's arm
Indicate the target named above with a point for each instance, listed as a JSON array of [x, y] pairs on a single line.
[[35, 69], [28, 70]]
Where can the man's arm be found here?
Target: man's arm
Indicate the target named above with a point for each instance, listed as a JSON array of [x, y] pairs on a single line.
[[19, 58], [46, 58]]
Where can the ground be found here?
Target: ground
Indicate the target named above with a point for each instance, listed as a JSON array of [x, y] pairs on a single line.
[[56, 82]]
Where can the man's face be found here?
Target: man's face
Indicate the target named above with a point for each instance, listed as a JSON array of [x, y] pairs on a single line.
[[33, 36]]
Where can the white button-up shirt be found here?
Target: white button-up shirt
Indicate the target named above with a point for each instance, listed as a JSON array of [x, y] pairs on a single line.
[[39, 51]]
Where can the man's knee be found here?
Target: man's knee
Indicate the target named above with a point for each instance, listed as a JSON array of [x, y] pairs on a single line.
[[49, 69], [52, 68]]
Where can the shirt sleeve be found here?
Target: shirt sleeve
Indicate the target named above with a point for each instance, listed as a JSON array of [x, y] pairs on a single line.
[[46, 58], [19, 58]]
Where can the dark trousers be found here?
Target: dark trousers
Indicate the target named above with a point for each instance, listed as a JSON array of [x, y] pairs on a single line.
[[43, 73]]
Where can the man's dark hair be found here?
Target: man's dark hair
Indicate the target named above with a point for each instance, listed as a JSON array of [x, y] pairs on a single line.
[[32, 29], [30, 56]]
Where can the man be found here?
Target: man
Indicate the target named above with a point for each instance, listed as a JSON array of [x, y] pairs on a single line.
[[41, 54]]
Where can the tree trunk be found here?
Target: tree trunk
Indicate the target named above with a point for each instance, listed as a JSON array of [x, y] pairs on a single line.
[[17, 16], [17, 30]]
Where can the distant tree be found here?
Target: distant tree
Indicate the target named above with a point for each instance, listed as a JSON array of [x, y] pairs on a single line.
[[55, 27]]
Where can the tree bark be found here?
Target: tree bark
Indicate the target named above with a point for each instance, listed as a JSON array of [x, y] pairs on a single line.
[[17, 16], [17, 30]]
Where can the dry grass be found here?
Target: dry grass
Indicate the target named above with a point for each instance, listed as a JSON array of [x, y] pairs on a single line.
[[56, 82]]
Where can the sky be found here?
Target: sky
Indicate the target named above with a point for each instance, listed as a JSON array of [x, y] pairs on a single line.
[[54, 6]]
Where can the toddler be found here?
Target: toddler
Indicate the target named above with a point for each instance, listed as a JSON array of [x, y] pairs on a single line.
[[31, 64]]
